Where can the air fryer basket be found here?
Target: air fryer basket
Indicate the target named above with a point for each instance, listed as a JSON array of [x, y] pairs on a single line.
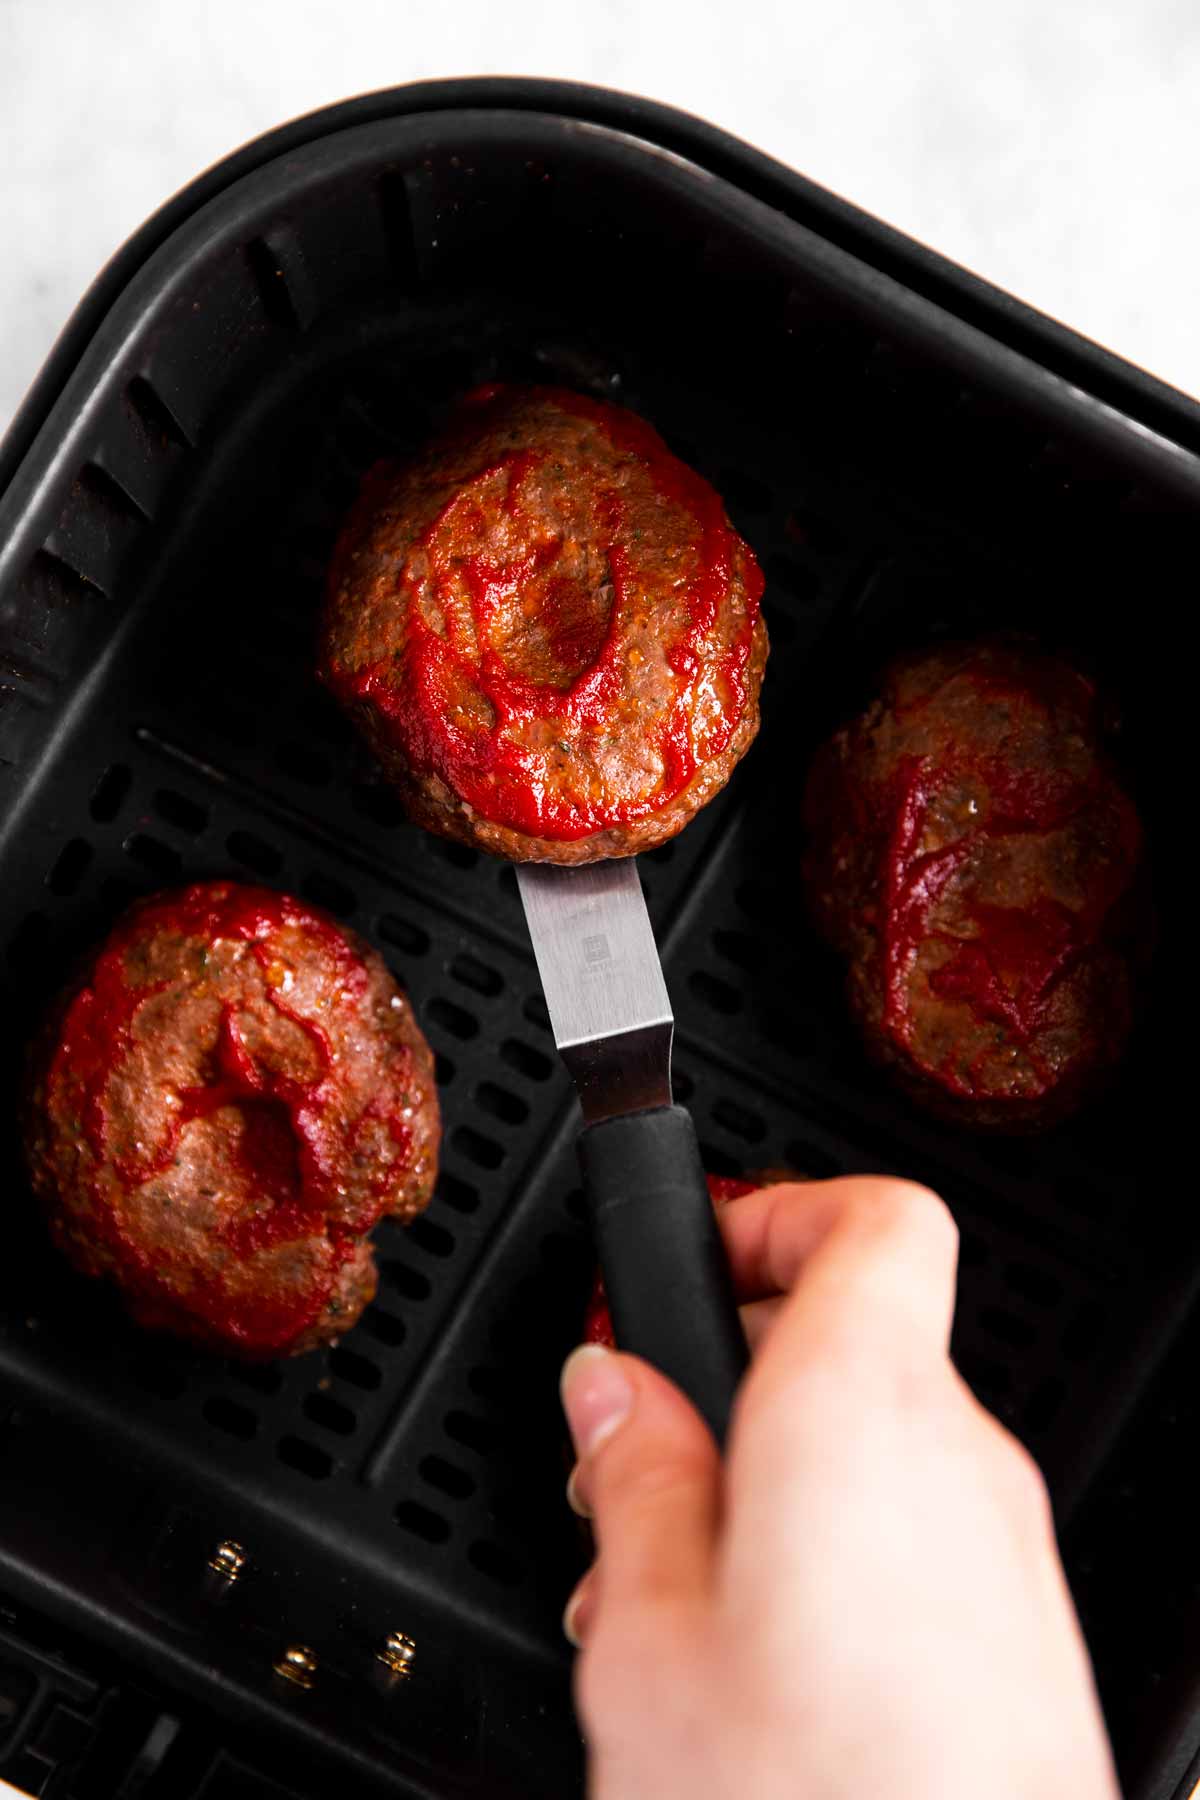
[[903, 474]]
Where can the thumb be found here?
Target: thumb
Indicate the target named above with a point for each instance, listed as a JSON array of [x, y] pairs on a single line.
[[650, 1474]]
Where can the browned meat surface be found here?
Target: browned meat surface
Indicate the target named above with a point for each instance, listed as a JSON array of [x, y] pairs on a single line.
[[548, 630], [974, 855], [222, 1108]]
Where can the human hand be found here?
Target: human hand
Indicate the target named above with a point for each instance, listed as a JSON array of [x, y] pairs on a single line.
[[867, 1598]]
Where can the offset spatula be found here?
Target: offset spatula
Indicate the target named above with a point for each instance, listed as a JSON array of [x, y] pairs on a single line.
[[664, 1265]]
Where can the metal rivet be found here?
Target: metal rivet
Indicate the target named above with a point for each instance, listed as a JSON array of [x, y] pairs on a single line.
[[298, 1665], [227, 1560], [398, 1654]]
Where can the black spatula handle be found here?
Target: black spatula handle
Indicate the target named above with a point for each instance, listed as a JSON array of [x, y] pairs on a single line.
[[664, 1264]]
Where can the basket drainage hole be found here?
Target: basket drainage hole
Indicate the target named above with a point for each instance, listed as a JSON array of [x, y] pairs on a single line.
[[458, 1193], [324, 1410], [510, 1109], [308, 1458], [485, 1152], [158, 859], [401, 934], [476, 975], [447, 1477], [384, 1327], [491, 1560], [108, 795], [177, 810], [358, 1370], [530, 1063], [228, 1415], [409, 1282], [422, 1522], [435, 1240], [72, 865], [454, 1019], [324, 890], [254, 853]]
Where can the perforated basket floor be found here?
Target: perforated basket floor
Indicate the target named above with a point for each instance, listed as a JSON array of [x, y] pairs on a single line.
[[160, 722]]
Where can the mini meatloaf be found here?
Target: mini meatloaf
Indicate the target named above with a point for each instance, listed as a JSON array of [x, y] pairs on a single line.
[[973, 853], [220, 1111], [548, 630]]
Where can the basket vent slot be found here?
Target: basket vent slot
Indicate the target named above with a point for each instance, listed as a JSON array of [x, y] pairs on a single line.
[[270, 278], [500, 1104], [155, 416], [529, 1063], [150, 853], [308, 1459], [330, 1414], [447, 1477], [422, 1521], [349, 1365]]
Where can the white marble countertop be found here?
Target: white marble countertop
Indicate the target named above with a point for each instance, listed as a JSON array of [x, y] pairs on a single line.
[[1053, 149]]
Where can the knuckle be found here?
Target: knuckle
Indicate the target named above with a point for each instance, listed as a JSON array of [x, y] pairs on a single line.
[[895, 1209], [634, 1477], [1020, 1471], [1028, 1480], [910, 1206]]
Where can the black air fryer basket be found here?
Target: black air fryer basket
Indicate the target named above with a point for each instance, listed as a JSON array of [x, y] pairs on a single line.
[[912, 455]]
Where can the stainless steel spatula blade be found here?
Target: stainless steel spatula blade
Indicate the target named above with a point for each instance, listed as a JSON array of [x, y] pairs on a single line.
[[660, 1250], [603, 982]]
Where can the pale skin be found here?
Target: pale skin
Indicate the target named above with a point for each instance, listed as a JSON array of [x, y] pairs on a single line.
[[867, 1599]]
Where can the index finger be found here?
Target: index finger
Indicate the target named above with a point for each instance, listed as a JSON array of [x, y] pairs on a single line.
[[863, 1240]]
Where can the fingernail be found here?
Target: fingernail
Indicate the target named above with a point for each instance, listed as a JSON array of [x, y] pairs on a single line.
[[596, 1396], [575, 1499]]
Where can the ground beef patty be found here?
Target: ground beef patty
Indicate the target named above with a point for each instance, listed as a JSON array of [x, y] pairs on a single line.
[[547, 629], [972, 852], [219, 1111]]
